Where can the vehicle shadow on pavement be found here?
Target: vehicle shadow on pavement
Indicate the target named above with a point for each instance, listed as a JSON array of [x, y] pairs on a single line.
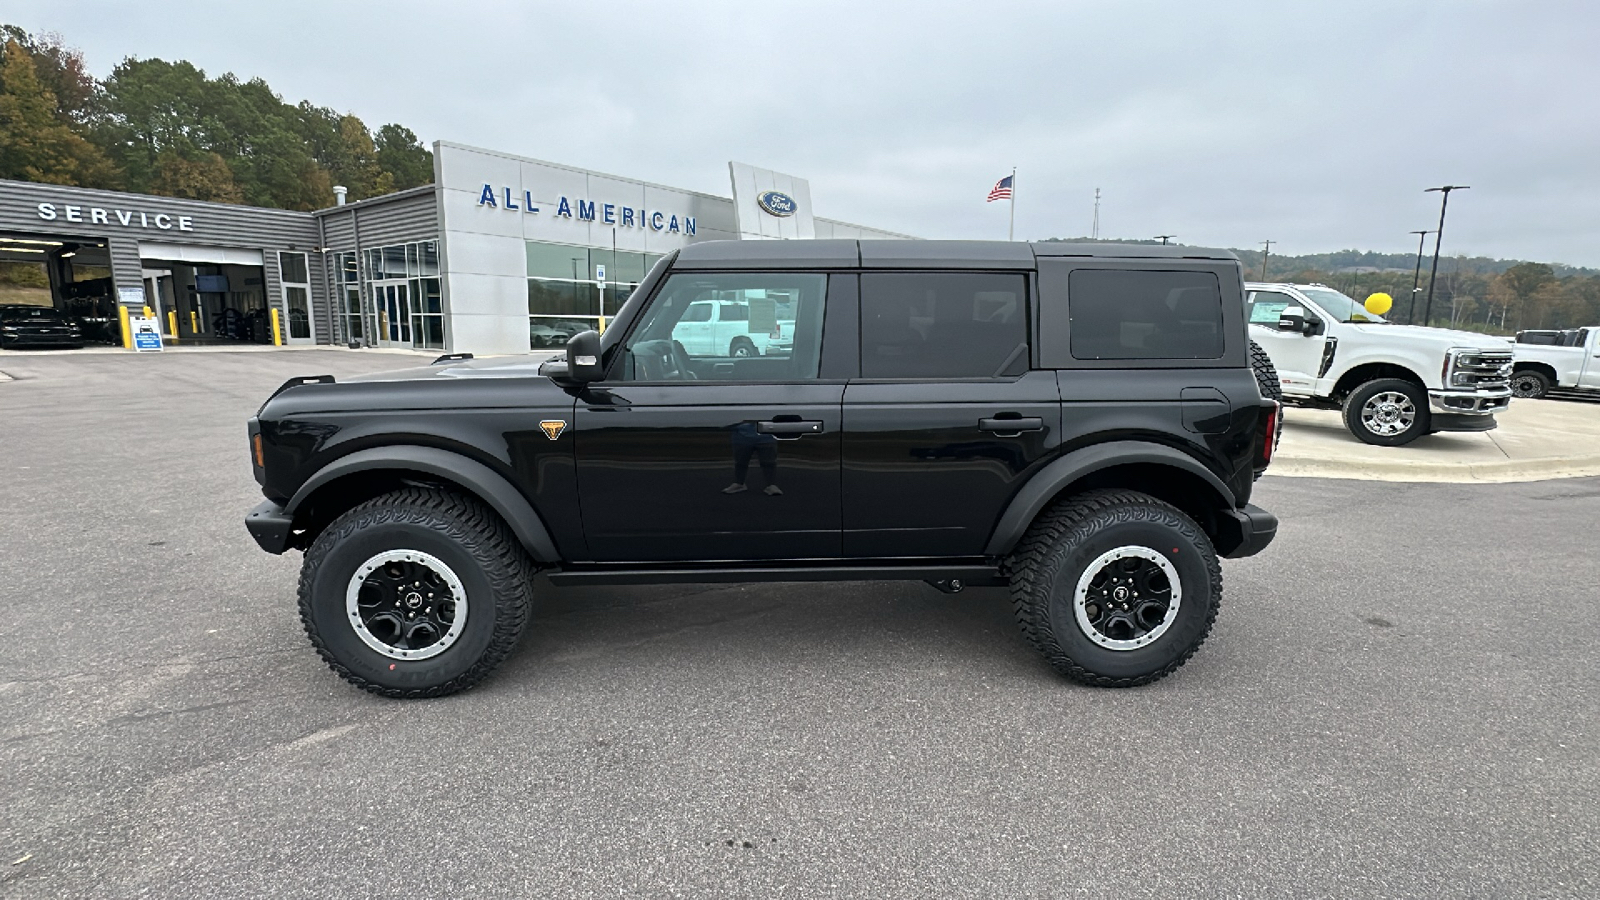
[[836, 625]]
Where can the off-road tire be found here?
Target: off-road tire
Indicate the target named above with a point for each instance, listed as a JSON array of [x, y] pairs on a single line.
[[494, 570], [1421, 424], [1271, 388], [1529, 384], [1266, 373], [1045, 568]]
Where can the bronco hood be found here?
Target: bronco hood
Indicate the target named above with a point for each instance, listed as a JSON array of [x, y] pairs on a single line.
[[494, 367]]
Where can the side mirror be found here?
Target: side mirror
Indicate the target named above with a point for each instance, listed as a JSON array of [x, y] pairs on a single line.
[[1293, 318], [583, 357]]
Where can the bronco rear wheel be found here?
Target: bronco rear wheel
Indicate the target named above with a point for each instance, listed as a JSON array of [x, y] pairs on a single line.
[[1115, 588], [417, 593]]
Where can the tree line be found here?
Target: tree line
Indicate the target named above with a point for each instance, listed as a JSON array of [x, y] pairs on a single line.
[[159, 127]]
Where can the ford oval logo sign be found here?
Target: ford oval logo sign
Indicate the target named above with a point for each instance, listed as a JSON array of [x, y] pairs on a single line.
[[777, 203]]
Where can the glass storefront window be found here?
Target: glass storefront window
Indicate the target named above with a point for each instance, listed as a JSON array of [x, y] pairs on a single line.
[[562, 298], [394, 261], [292, 267]]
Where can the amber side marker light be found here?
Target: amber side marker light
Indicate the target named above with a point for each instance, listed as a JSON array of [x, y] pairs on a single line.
[[261, 459]]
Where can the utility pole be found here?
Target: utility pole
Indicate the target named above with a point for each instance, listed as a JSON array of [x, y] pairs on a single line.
[[1264, 254], [1094, 230], [1438, 239], [1416, 277], [1163, 238]]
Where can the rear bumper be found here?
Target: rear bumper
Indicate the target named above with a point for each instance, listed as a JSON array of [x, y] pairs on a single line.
[[269, 525], [1245, 532]]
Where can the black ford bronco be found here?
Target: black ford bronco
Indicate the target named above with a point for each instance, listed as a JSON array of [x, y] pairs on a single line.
[[1081, 423]]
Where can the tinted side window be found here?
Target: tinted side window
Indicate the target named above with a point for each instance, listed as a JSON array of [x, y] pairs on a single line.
[[1126, 314], [943, 325], [675, 339]]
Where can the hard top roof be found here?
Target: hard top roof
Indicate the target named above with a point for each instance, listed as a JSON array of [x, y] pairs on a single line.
[[921, 254]]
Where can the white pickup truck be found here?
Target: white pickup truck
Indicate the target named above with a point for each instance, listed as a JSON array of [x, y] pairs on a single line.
[[1573, 364], [1394, 383], [727, 328]]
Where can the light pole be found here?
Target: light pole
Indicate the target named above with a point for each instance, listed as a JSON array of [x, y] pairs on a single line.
[[1416, 277], [1267, 251], [1163, 238], [1438, 238]]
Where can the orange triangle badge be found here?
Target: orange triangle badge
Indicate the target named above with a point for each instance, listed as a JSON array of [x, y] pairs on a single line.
[[553, 428]]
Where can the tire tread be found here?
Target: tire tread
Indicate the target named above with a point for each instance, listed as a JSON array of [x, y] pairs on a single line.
[[462, 520], [1064, 525]]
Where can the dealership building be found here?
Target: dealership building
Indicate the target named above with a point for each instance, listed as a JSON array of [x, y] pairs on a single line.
[[501, 253]]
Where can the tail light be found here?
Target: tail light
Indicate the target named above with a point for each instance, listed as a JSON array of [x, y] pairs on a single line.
[[777, 330], [1271, 417]]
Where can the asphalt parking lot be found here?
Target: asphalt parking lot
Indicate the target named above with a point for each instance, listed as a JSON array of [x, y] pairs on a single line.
[[1399, 699]]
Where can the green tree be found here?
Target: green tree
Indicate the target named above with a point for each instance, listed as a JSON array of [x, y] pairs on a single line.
[[35, 145], [204, 177], [401, 154]]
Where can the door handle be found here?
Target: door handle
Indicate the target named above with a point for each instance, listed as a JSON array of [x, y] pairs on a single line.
[[1011, 427], [788, 431]]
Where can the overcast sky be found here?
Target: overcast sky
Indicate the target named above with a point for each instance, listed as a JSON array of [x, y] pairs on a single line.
[[1316, 125]]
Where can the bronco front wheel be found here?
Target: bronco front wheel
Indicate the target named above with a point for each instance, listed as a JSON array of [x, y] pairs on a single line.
[[417, 593]]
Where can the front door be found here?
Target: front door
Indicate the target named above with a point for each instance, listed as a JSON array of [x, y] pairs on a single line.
[[686, 455], [391, 301], [946, 421], [1297, 357]]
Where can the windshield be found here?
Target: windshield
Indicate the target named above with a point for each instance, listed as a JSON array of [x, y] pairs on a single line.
[[1339, 306]]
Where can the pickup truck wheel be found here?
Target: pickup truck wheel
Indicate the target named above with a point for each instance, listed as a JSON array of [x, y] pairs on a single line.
[[1115, 588], [1387, 412], [1529, 384], [741, 348], [417, 593]]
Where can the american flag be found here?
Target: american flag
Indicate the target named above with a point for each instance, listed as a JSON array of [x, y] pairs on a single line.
[[1002, 190]]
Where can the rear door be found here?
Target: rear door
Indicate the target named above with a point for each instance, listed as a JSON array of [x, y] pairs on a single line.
[[946, 420], [687, 453], [1590, 373]]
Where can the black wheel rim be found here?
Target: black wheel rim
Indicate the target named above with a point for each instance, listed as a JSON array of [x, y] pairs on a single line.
[[406, 604], [1127, 598]]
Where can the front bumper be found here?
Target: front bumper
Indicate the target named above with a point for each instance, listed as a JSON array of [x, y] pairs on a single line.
[[270, 526], [35, 339], [1245, 532], [1469, 403]]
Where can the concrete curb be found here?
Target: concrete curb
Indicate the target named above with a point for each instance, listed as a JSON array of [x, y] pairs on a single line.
[[1509, 471]]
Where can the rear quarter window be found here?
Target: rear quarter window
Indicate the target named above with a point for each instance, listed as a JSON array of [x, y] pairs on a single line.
[[1130, 314]]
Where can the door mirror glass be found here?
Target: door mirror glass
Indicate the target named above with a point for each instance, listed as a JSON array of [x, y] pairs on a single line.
[[583, 357]]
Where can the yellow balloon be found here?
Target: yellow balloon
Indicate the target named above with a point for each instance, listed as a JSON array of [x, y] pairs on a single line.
[[1379, 303]]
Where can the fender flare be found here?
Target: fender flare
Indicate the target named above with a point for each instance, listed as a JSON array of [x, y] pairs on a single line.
[[488, 485], [1044, 486]]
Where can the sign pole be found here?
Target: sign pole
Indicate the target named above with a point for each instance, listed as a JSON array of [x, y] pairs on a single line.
[[1011, 231]]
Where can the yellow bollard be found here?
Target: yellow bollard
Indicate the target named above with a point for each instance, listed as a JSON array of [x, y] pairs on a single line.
[[602, 324], [172, 323], [194, 323], [277, 333], [127, 327]]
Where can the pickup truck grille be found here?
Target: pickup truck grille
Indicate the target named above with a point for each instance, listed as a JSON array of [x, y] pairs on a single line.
[[1483, 369]]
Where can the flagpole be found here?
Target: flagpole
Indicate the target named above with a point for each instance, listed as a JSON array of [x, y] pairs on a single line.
[[1011, 231]]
